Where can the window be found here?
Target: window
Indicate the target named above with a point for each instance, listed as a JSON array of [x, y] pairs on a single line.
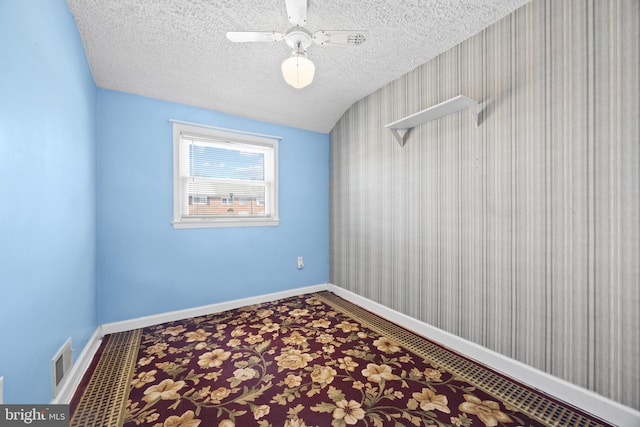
[[223, 178], [198, 200]]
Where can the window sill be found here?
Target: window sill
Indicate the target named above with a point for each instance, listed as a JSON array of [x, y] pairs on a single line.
[[226, 223]]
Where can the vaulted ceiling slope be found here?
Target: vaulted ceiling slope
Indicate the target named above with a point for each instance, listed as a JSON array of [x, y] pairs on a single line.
[[177, 50]]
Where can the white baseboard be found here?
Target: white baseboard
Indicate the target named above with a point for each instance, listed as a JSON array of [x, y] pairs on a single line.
[[84, 360], [579, 397], [156, 319], [74, 376]]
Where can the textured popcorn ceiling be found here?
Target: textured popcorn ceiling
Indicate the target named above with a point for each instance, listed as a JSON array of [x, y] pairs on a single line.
[[176, 50]]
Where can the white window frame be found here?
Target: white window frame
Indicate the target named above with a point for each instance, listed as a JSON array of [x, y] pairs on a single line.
[[181, 198]]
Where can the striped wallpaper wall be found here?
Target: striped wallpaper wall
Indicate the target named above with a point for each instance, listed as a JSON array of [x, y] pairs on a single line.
[[522, 235]]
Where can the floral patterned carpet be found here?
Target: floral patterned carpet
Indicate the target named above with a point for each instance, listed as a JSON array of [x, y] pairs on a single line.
[[312, 360]]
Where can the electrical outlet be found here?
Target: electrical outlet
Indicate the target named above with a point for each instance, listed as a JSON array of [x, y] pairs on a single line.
[[300, 263]]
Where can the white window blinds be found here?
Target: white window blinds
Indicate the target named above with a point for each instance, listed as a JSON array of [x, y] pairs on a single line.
[[222, 178]]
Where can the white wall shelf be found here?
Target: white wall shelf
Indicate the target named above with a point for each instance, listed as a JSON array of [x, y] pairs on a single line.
[[401, 127]]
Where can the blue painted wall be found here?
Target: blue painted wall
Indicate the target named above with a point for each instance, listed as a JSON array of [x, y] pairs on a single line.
[[86, 205], [47, 194], [145, 266]]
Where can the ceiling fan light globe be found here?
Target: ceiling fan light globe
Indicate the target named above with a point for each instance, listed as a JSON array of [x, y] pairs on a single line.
[[298, 71]]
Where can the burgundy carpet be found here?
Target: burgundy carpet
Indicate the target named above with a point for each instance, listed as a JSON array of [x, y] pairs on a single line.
[[312, 360]]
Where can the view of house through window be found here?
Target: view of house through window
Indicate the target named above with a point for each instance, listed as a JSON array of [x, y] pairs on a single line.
[[220, 177], [223, 179]]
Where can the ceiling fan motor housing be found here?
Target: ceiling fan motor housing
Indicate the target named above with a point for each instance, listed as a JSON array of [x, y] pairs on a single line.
[[298, 38]]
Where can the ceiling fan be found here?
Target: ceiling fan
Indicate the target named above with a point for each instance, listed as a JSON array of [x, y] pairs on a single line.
[[298, 70]]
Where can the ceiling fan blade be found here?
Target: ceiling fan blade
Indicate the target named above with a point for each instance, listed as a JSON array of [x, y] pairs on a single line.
[[339, 37], [254, 36], [297, 12]]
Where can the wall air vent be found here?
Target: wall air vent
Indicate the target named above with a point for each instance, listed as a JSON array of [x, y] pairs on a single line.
[[60, 365]]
